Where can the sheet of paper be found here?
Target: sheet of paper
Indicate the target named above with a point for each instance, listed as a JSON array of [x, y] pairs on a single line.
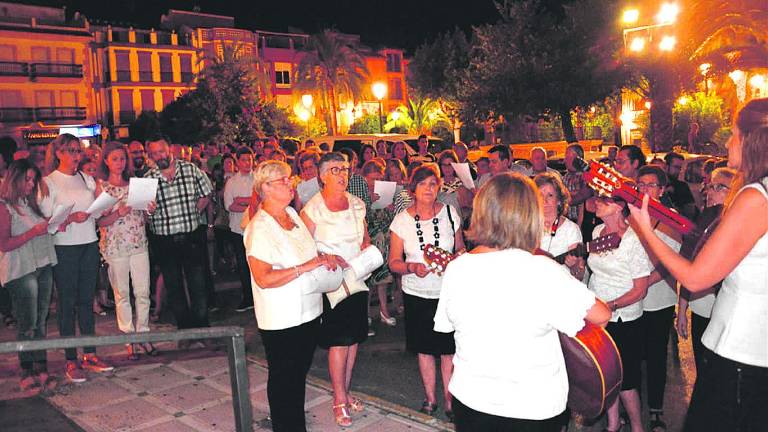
[[361, 266], [141, 191], [307, 189], [59, 215], [386, 191], [103, 202], [462, 171]]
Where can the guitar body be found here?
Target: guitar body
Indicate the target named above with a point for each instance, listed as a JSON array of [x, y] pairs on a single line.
[[594, 370]]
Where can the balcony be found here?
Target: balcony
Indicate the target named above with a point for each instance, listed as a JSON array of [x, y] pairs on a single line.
[[59, 70], [17, 115], [60, 113], [145, 76], [126, 117], [123, 76], [14, 69], [187, 77], [28, 115], [166, 77]]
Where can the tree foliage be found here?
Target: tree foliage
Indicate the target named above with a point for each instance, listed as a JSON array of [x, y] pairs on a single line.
[[705, 110], [145, 125], [367, 124], [536, 60], [421, 115]]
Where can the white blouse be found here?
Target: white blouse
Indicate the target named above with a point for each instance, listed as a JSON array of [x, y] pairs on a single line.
[[238, 186], [738, 329], [404, 225], [506, 308], [661, 295], [613, 272], [78, 189], [567, 234], [288, 305]]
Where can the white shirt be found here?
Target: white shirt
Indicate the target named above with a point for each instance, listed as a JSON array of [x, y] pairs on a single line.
[[613, 272], [567, 234], [738, 329], [68, 189], [285, 306], [505, 308], [661, 295], [404, 225], [238, 186], [702, 306]]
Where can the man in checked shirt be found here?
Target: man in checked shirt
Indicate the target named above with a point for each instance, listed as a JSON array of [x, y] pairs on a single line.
[[179, 233]]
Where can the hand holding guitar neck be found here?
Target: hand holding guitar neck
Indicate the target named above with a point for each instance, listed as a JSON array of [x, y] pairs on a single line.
[[606, 181]]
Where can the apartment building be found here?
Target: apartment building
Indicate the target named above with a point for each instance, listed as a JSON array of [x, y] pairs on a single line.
[[45, 75]]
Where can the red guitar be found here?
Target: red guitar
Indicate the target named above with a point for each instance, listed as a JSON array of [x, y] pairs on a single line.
[[591, 357], [606, 181]]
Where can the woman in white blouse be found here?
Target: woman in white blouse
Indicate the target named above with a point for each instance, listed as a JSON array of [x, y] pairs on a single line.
[[620, 276], [280, 251], [77, 249], [560, 233], [509, 368], [731, 391], [426, 221]]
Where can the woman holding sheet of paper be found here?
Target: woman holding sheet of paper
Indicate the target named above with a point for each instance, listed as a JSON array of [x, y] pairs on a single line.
[[77, 249], [123, 244]]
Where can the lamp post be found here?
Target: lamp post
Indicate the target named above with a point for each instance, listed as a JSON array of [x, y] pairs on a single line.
[[379, 91]]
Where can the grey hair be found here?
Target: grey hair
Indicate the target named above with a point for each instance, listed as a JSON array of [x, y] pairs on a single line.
[[328, 158]]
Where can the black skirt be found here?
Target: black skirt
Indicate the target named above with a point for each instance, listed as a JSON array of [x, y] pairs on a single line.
[[628, 338], [420, 336], [347, 323]]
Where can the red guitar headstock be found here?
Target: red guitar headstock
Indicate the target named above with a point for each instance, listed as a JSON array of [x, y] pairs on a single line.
[[604, 179], [437, 259], [604, 243]]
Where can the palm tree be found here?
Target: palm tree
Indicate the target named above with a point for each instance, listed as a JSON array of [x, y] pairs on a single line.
[[331, 70], [420, 116]]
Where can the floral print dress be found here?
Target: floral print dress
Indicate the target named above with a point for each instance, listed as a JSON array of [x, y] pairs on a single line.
[[126, 236]]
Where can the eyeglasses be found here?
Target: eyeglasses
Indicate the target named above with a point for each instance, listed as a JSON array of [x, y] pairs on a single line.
[[338, 170], [73, 150], [647, 185], [717, 187], [281, 180]]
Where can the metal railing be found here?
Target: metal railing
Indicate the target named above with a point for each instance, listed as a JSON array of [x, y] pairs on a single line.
[[17, 115], [234, 338], [60, 113], [14, 68], [64, 70]]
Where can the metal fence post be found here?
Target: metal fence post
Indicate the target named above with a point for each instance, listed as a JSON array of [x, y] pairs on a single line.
[[238, 374]]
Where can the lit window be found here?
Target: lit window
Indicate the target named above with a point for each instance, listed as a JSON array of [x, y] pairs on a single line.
[[283, 74]]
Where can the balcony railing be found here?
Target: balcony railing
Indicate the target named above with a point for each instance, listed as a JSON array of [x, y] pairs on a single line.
[[17, 115], [123, 76], [145, 76], [187, 77], [26, 115], [65, 70], [14, 69], [166, 77], [126, 117]]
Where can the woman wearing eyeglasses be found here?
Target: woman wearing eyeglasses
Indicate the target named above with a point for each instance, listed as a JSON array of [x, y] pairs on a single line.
[[716, 190], [77, 249], [280, 250], [336, 220]]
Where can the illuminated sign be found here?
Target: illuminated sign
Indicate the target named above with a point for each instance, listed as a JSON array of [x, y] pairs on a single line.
[[82, 131], [39, 134]]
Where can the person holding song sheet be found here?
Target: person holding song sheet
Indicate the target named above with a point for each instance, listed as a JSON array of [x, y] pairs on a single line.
[[336, 219], [509, 368], [280, 251], [426, 221], [731, 386]]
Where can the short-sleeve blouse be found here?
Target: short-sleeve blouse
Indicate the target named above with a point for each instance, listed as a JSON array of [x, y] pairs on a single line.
[[567, 234], [126, 236]]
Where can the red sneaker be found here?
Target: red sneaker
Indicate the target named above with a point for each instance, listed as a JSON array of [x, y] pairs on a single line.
[[74, 373], [94, 364]]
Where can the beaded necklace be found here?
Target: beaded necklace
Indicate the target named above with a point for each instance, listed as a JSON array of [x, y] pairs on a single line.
[[420, 233]]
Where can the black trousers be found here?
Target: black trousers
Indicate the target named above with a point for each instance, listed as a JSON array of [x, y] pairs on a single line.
[[469, 420], [656, 327], [182, 259], [698, 325], [75, 276], [289, 356], [728, 396], [243, 272]]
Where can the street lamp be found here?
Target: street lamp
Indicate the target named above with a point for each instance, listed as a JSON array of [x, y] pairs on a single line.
[[667, 43], [304, 116], [306, 100], [379, 91]]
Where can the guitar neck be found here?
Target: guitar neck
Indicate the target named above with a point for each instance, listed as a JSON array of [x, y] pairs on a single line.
[[656, 209], [580, 250]]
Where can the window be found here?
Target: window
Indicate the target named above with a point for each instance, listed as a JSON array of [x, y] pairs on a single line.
[[43, 98], [394, 62], [145, 66], [41, 55], [65, 55], [283, 74], [147, 100], [68, 98], [10, 99], [185, 63], [7, 53], [395, 89], [166, 68], [123, 63], [125, 102]]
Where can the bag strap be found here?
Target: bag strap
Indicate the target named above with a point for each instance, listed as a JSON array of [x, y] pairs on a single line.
[[453, 228]]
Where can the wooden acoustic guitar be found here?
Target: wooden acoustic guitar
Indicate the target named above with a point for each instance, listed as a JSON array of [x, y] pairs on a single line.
[[600, 244], [592, 359], [606, 181]]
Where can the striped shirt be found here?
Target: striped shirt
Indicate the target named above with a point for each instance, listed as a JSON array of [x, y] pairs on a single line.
[[177, 201]]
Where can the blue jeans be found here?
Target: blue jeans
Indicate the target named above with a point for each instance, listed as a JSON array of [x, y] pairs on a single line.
[[31, 297], [76, 275]]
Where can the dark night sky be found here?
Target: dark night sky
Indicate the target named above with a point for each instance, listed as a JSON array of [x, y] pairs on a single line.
[[396, 23]]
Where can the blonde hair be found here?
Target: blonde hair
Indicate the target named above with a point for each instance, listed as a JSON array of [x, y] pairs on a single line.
[[59, 143], [266, 171], [507, 213]]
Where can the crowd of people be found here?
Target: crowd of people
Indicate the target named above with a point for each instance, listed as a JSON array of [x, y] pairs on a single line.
[[285, 217]]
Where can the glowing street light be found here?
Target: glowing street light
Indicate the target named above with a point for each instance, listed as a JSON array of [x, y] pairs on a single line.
[[306, 100], [683, 100], [704, 68], [668, 13], [757, 81], [637, 45], [630, 16], [648, 105], [379, 91], [667, 43]]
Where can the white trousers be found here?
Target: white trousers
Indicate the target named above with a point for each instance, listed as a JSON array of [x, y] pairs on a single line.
[[123, 270]]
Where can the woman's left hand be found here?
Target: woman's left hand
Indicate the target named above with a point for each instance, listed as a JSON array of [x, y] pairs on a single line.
[[640, 215], [151, 207]]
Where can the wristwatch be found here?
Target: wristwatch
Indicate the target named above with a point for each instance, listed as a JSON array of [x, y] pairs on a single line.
[[210, 226]]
